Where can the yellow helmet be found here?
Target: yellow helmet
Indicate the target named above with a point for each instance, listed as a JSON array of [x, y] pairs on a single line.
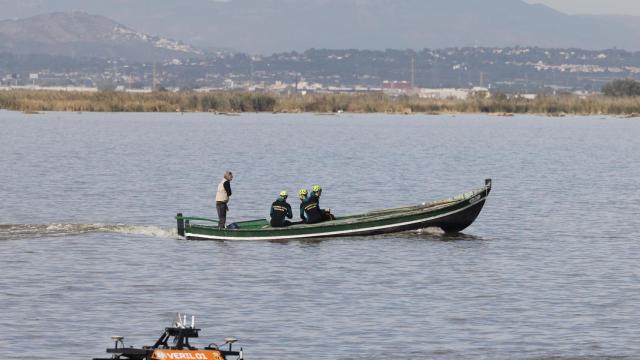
[[316, 188], [303, 192], [283, 194]]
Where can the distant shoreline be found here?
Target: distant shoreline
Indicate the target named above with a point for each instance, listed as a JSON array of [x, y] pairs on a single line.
[[233, 103]]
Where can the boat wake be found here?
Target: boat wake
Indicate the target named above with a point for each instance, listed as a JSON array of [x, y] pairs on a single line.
[[26, 231], [430, 231]]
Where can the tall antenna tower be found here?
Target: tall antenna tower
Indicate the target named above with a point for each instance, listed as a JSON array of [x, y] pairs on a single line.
[[251, 71], [115, 73], [413, 72], [155, 83]]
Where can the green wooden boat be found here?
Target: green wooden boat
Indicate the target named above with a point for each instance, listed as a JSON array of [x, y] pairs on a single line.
[[451, 215]]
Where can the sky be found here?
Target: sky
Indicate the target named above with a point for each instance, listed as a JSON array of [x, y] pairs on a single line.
[[620, 7]]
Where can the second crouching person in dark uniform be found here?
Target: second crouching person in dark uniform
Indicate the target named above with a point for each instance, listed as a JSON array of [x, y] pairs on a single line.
[[311, 207]]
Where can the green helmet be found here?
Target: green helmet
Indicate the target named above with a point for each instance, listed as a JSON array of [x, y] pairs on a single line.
[[283, 194], [302, 192], [316, 188]]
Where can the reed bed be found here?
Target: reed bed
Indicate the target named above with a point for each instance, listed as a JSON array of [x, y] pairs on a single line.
[[232, 102]]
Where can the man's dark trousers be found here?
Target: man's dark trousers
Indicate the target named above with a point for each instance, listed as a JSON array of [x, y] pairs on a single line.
[[222, 213]]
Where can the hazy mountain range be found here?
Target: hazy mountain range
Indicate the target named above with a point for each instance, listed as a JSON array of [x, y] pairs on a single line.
[[81, 34], [267, 26]]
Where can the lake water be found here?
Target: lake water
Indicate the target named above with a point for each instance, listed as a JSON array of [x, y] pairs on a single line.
[[550, 268]]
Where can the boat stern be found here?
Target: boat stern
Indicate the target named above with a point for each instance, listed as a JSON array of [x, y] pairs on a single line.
[[181, 222]]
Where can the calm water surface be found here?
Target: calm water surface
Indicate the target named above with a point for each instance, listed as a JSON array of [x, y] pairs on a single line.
[[550, 268]]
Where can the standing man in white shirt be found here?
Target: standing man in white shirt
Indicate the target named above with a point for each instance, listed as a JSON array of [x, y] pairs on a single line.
[[222, 198]]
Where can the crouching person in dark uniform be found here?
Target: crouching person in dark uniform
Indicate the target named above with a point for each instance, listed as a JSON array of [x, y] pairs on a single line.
[[314, 197], [279, 210], [311, 207]]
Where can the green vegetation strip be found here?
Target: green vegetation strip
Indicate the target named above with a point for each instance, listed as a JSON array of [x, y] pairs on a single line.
[[234, 102]]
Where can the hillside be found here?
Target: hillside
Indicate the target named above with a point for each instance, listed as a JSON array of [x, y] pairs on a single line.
[[83, 35]]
